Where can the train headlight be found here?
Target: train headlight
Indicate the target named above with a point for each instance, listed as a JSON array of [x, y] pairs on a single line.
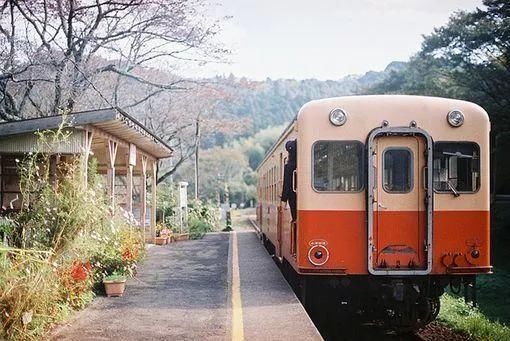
[[455, 118], [337, 117]]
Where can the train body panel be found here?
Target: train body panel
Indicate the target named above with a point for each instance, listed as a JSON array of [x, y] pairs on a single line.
[[335, 217]]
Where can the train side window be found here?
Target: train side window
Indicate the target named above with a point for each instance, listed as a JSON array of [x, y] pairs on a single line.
[[456, 167], [397, 170], [337, 166]]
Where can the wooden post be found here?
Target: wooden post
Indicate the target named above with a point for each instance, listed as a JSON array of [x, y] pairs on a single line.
[[131, 163], [129, 189], [153, 200], [143, 199], [112, 155], [89, 134]]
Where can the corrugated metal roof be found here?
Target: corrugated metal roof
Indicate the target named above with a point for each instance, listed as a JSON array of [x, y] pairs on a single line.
[[113, 121], [29, 142]]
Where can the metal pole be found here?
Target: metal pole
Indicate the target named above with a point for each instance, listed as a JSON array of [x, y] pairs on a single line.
[[197, 148]]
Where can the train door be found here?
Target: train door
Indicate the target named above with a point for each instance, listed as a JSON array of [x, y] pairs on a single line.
[[279, 224], [400, 231]]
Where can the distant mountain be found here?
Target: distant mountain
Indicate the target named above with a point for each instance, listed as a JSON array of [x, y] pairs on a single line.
[[274, 102]]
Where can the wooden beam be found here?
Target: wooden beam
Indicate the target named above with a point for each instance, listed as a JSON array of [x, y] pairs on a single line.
[[109, 137], [123, 143], [88, 136], [143, 199], [112, 155], [154, 166], [129, 188]]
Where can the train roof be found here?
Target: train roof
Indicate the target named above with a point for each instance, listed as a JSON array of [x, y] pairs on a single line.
[[370, 105], [374, 102]]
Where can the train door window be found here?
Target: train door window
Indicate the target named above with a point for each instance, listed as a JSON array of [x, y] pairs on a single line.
[[397, 170], [337, 166], [456, 167]]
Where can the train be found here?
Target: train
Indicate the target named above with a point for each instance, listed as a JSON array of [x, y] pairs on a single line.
[[392, 204]]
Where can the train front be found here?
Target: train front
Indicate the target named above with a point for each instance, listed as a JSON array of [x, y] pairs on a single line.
[[393, 201]]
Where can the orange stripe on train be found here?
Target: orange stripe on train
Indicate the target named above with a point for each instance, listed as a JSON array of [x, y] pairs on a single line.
[[456, 234]]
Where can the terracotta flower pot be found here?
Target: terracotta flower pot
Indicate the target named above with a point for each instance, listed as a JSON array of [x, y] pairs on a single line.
[[160, 240], [114, 288], [183, 236]]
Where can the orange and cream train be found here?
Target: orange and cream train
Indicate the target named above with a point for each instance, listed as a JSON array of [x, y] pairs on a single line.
[[392, 202]]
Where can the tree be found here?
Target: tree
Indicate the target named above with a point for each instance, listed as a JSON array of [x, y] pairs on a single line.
[[53, 51], [468, 58], [175, 118]]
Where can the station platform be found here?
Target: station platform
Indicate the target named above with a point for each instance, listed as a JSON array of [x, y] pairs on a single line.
[[222, 287], [270, 309]]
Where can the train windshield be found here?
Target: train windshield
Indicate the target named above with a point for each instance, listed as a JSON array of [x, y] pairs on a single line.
[[456, 167]]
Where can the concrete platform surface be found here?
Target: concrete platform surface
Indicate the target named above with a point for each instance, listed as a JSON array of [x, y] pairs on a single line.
[[271, 311], [187, 291]]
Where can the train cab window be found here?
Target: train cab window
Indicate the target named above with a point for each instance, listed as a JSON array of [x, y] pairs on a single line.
[[456, 167], [397, 170], [337, 166]]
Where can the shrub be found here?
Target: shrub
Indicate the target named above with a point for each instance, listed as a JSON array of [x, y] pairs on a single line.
[[202, 218], [30, 294], [117, 251], [65, 242], [54, 214]]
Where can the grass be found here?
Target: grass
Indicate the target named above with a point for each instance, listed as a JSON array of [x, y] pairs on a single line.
[[471, 321], [494, 295], [494, 290]]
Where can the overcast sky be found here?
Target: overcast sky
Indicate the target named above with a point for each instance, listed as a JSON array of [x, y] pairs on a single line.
[[326, 39]]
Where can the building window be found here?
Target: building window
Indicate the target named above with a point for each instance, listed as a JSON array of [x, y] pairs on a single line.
[[397, 170], [456, 167], [10, 192], [337, 166]]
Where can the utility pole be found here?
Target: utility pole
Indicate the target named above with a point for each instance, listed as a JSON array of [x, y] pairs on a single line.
[[197, 148]]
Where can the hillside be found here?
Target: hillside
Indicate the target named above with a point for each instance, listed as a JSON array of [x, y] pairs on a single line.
[[275, 102]]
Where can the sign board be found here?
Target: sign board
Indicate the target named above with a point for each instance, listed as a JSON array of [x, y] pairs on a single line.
[[183, 194]]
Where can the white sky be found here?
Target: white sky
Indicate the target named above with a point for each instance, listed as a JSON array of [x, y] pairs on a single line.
[[325, 39]]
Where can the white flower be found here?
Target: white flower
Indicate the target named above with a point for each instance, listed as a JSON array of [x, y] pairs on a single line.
[[17, 160], [27, 317]]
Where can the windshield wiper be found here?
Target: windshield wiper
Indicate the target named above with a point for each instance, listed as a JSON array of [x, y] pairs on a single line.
[[454, 191]]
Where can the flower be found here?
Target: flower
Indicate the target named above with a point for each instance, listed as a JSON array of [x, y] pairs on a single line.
[[79, 272]]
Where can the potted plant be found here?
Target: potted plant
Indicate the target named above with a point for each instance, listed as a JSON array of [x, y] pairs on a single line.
[[161, 239], [114, 285], [166, 233]]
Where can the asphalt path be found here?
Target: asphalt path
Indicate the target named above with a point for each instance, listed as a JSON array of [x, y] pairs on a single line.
[[180, 293], [222, 287]]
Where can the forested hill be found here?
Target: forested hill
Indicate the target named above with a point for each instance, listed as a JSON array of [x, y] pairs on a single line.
[[275, 102]]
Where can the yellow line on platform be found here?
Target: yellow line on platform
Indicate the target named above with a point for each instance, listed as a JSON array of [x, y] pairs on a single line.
[[237, 306]]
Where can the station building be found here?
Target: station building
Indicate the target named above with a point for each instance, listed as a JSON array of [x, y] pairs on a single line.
[[127, 155]]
